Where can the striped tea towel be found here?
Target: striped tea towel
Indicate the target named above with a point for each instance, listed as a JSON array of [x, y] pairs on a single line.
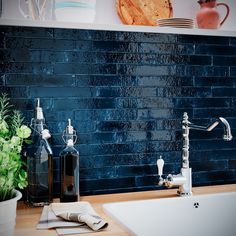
[[71, 218]]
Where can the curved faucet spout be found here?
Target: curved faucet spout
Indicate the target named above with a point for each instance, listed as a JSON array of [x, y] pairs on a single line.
[[227, 131], [227, 136]]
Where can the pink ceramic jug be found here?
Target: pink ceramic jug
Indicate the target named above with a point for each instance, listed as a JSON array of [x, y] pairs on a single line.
[[208, 17]]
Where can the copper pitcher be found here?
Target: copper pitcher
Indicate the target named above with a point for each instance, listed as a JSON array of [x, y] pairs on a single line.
[[208, 16]]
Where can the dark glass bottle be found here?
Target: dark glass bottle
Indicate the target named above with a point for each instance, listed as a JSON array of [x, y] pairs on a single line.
[[39, 163], [69, 167]]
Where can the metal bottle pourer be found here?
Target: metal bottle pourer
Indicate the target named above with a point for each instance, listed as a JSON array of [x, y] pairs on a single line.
[[38, 114], [39, 120], [39, 111], [69, 134]]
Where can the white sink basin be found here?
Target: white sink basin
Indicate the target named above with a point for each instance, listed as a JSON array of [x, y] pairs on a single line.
[[202, 215]]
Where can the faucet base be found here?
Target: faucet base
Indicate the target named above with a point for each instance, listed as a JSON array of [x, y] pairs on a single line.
[[186, 188]]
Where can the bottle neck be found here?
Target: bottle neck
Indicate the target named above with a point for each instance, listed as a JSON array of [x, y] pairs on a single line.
[[70, 143], [38, 125], [47, 146]]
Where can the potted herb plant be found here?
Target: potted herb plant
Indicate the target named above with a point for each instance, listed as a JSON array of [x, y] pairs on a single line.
[[12, 175]]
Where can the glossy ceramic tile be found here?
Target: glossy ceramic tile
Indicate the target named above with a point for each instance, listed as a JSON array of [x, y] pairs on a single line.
[[126, 94]]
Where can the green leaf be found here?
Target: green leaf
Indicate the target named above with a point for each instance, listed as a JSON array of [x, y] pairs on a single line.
[[23, 132], [12, 134]]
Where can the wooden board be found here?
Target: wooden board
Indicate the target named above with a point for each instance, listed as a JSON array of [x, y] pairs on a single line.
[[143, 12], [27, 218]]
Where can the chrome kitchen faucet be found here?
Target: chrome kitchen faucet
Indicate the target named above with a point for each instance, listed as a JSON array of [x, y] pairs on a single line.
[[184, 179]]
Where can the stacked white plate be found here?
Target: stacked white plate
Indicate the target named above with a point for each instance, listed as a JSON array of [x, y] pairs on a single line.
[[176, 22]]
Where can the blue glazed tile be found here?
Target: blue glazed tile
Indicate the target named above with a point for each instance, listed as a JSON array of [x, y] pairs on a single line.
[[214, 112], [215, 50], [64, 33], [198, 39], [104, 57], [156, 102], [212, 144], [109, 46], [29, 104], [81, 68], [215, 81], [83, 45], [212, 155], [22, 67], [146, 37], [116, 114], [142, 170], [61, 92], [15, 56], [2, 42], [96, 138], [213, 176], [126, 125], [98, 173], [85, 126], [168, 124], [163, 113], [101, 35], [40, 80], [233, 71], [164, 81], [184, 92], [202, 102], [2, 80], [199, 71], [178, 49], [62, 56], [224, 61], [106, 184], [125, 94], [199, 60], [46, 44], [16, 92], [100, 80], [155, 59], [126, 102], [108, 92], [232, 41], [138, 92], [145, 70], [232, 164], [87, 35], [59, 115], [226, 92], [221, 71], [148, 180], [86, 103], [28, 32]]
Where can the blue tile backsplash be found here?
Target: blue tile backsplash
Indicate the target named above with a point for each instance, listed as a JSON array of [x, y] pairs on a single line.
[[126, 94]]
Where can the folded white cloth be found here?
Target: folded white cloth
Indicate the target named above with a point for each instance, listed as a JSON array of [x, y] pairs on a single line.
[[71, 218], [81, 212]]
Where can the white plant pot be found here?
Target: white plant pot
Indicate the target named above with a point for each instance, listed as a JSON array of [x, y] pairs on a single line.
[[8, 215]]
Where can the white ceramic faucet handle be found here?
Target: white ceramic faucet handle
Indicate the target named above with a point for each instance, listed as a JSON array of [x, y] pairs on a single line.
[[160, 164]]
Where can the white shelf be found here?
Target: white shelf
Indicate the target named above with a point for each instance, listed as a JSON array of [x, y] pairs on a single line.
[[116, 27], [107, 19]]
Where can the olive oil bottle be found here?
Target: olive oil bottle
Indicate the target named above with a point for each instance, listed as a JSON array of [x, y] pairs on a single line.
[[69, 157], [39, 162]]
